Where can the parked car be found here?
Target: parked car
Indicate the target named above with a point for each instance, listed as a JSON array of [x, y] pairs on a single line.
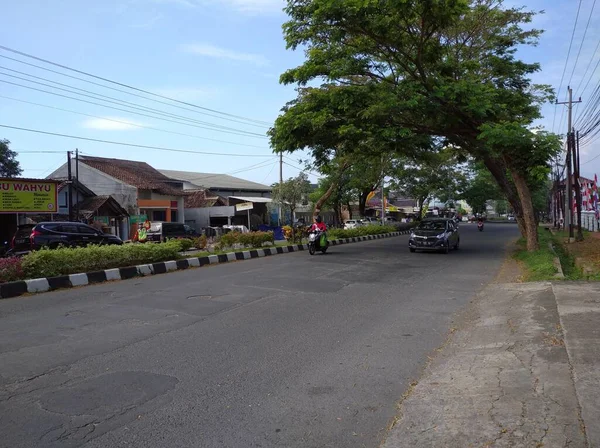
[[371, 221], [162, 231], [190, 231], [435, 234], [54, 234], [352, 224]]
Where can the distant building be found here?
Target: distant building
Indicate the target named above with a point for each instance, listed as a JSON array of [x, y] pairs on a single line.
[[136, 186]]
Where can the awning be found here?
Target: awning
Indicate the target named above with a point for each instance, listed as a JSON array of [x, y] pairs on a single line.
[[257, 199]]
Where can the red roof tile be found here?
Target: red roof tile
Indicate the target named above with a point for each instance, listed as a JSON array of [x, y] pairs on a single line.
[[137, 174]]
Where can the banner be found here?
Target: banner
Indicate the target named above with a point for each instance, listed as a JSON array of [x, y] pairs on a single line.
[[28, 196]]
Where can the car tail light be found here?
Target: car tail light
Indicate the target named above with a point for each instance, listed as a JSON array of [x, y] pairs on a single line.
[[34, 233]]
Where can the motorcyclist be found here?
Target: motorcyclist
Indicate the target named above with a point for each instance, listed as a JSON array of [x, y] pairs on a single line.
[[318, 225]]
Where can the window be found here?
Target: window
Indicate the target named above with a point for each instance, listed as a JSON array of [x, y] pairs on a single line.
[[173, 229], [69, 228], [87, 230], [159, 215]]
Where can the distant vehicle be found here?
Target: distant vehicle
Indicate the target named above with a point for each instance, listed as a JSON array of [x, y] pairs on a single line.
[[190, 231], [241, 229], [352, 224], [511, 218], [55, 234], [162, 231], [369, 220], [435, 234]]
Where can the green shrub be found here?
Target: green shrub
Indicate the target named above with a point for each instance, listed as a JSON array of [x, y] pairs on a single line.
[[360, 231], [64, 261], [186, 244]]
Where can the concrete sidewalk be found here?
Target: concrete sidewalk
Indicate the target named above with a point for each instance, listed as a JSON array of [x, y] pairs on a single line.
[[522, 369]]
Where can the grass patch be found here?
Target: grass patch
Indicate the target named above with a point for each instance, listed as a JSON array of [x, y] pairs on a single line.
[[538, 265], [587, 252]]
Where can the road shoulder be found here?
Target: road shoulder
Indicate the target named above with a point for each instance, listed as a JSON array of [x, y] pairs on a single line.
[[503, 379]]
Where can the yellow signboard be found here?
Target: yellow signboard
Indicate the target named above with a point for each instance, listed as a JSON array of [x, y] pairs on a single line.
[[28, 196]]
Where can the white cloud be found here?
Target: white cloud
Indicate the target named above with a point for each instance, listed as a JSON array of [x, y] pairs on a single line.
[[212, 51], [110, 124], [187, 94]]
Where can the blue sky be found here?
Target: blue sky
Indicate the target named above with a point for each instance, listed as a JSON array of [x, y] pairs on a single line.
[[225, 55]]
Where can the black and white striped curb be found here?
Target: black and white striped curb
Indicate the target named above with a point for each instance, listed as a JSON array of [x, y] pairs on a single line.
[[14, 289]]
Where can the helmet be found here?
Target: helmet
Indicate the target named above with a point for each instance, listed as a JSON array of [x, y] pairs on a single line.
[[318, 219]]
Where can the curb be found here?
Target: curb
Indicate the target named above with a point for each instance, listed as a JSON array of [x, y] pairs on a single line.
[[38, 285]]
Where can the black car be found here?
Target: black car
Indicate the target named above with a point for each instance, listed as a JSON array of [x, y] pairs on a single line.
[[162, 231], [436, 235], [55, 234]]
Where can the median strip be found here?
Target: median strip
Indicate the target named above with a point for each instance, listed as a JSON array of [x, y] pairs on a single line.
[[39, 285]]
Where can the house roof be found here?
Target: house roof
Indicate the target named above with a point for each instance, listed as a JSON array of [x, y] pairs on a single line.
[[200, 198], [89, 206], [134, 173], [213, 181]]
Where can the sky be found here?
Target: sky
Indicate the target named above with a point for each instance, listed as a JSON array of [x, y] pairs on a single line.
[[224, 55]]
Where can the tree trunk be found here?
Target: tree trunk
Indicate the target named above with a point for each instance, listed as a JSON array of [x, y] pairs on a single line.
[[421, 206], [498, 170], [529, 220], [362, 201], [323, 199]]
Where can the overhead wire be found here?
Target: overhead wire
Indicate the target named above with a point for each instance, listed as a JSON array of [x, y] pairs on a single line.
[[110, 142], [129, 123], [566, 61], [131, 112], [112, 100], [582, 42], [81, 72]]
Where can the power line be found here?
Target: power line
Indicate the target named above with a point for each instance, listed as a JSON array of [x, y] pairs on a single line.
[[110, 142], [129, 111], [112, 100], [582, 41], [130, 87], [566, 61], [129, 123], [269, 173]]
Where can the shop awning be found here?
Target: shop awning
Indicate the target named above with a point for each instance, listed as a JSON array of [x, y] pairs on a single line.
[[255, 199]]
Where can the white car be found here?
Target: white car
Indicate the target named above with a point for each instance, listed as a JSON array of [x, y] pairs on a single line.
[[352, 224]]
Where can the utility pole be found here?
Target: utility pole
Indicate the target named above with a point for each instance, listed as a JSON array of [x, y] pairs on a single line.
[[70, 182], [280, 218], [77, 182], [570, 141], [579, 236]]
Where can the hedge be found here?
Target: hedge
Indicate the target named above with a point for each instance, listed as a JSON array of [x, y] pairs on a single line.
[[250, 239], [64, 261], [360, 231]]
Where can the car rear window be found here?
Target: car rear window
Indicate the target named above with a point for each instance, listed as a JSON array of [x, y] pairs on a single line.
[[171, 229], [24, 231]]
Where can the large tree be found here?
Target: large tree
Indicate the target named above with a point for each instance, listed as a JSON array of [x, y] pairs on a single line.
[[9, 165], [440, 69]]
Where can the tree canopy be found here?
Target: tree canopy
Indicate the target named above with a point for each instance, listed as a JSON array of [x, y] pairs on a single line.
[[9, 165], [396, 77]]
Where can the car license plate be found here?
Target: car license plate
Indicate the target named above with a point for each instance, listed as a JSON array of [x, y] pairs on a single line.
[[21, 241]]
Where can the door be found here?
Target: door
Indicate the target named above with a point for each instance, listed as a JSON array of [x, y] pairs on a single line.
[[89, 235], [453, 234], [69, 235]]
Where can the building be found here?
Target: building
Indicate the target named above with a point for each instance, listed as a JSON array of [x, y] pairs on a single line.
[[139, 189], [221, 185], [211, 199]]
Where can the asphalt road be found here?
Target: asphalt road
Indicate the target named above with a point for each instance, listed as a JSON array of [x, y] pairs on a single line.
[[283, 351]]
